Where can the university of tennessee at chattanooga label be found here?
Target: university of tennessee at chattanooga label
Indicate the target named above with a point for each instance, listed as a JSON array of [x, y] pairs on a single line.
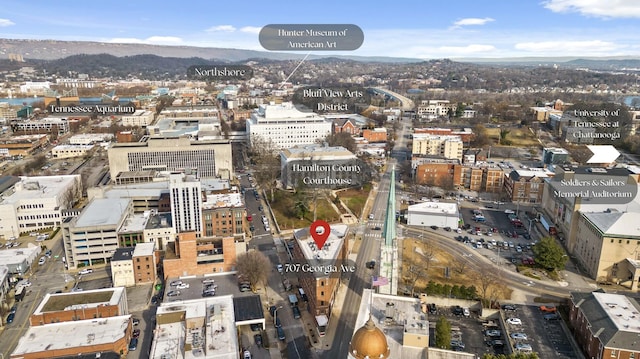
[[311, 37]]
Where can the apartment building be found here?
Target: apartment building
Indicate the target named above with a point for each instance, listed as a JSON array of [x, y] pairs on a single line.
[[449, 147], [70, 151], [36, 203], [320, 286], [525, 185], [286, 126], [223, 215], [434, 108], [605, 325], [206, 159], [140, 118]]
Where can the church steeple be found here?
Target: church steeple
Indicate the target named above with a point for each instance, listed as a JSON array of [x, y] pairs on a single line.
[[389, 231]]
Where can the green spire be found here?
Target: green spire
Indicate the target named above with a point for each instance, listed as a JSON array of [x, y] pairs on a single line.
[[389, 233]]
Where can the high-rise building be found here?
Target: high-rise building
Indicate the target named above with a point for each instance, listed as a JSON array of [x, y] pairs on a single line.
[[185, 203]]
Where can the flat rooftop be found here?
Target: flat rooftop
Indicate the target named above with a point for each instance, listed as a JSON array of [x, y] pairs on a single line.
[[144, 249], [405, 315], [76, 334], [317, 152], [103, 212], [135, 222], [620, 310], [321, 256], [14, 256], [223, 200], [160, 220], [74, 300], [216, 339], [435, 207], [35, 188]]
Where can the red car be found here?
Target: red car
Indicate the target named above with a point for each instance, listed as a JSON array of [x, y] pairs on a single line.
[[136, 333]]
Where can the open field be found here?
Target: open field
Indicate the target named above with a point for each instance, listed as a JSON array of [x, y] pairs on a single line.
[[283, 209], [519, 137], [415, 258]]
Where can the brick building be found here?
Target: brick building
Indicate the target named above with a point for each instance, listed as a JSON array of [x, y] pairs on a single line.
[[375, 135], [190, 255], [605, 325], [525, 185], [320, 287], [347, 125]]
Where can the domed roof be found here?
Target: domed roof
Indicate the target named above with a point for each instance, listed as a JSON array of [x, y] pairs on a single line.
[[369, 342]]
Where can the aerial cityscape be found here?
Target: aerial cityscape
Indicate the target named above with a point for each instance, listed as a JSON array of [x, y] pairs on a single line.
[[393, 180]]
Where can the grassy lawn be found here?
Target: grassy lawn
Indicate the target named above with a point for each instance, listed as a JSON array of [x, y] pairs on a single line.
[[355, 199], [283, 205], [412, 255], [519, 137]]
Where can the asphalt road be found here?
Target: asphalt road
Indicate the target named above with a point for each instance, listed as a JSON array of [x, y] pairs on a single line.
[[369, 249], [46, 278]]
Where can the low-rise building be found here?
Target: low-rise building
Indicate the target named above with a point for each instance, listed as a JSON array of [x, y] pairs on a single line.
[[191, 254], [78, 337], [22, 145], [19, 260], [199, 328], [122, 268], [70, 151], [36, 203], [140, 118], [605, 325], [449, 147], [85, 305], [375, 135], [438, 214]]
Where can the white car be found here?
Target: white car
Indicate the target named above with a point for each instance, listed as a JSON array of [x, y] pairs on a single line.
[[42, 260], [508, 211], [246, 355], [521, 336], [182, 286], [514, 321], [86, 271]]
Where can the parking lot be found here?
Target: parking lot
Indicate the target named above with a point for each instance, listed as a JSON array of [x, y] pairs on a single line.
[[546, 337], [226, 284]]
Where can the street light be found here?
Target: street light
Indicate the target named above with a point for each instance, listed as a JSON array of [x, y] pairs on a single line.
[[275, 315]]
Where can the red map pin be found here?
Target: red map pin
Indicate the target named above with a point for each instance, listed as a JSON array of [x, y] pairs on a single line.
[[320, 238]]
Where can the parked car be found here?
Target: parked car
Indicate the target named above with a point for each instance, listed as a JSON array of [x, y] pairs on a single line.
[[135, 321], [551, 316], [42, 260], [432, 308], [371, 264], [256, 327], [493, 333], [182, 286], [136, 333], [523, 347], [281, 335], [11, 317], [296, 313], [457, 310], [86, 271], [258, 339], [280, 268], [14, 309], [520, 336], [175, 283], [514, 321], [133, 344], [466, 312], [548, 308], [173, 293]]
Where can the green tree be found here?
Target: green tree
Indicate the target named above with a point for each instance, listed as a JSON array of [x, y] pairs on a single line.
[[443, 333], [549, 254], [503, 136], [300, 208]]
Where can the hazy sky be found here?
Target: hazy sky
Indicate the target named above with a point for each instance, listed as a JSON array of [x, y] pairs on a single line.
[[406, 28]]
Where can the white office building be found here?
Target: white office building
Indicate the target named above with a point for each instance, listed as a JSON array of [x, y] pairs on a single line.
[[186, 210], [287, 126], [36, 203], [433, 214], [140, 118]]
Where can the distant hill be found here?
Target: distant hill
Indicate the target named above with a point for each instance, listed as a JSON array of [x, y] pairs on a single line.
[[54, 49]]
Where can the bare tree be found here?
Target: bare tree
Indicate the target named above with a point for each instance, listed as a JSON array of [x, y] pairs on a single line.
[[414, 274], [486, 280], [255, 267], [459, 266], [265, 155]]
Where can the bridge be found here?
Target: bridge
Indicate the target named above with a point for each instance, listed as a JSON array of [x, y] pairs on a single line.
[[407, 104]]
